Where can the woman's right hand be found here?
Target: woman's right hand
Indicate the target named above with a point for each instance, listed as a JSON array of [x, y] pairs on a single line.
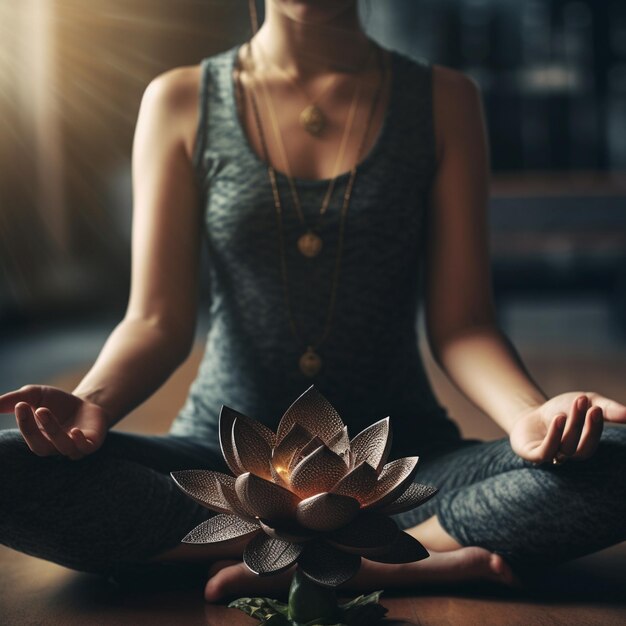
[[53, 421]]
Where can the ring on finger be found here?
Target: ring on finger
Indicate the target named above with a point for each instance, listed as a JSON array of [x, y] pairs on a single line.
[[559, 458]]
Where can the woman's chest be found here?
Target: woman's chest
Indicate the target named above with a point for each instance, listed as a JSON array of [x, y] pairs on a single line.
[[375, 218]]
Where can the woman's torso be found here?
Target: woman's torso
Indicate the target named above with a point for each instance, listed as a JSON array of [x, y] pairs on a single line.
[[371, 362]]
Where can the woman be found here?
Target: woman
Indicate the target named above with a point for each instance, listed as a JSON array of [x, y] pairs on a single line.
[[331, 175]]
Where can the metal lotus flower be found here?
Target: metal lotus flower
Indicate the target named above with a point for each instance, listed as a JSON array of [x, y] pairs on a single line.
[[308, 494]]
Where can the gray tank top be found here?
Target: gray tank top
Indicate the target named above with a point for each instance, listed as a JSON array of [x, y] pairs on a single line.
[[372, 367]]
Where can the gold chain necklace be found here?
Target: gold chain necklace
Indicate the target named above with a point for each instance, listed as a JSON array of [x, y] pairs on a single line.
[[310, 243], [311, 118], [310, 362]]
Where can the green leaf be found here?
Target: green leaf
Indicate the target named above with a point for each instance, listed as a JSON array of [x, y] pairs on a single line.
[[361, 611], [364, 610], [279, 607], [263, 609], [361, 600]]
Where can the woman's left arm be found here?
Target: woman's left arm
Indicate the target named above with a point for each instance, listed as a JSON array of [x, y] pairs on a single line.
[[461, 322]]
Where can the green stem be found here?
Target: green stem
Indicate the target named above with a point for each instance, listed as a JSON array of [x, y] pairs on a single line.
[[309, 601]]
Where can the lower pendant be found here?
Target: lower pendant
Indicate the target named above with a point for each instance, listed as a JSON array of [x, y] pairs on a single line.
[[310, 362], [309, 244]]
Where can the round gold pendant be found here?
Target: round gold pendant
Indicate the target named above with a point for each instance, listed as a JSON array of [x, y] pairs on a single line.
[[309, 244], [312, 120], [310, 362]]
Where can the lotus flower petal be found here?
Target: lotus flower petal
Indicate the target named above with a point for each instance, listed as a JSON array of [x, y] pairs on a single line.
[[265, 555], [309, 447], [326, 565], [251, 451], [204, 487], [317, 472], [221, 528], [393, 480], [291, 532], [294, 440], [340, 443], [278, 477], [368, 533], [358, 483], [226, 420], [264, 498], [235, 504], [415, 495], [405, 549], [327, 511], [373, 444], [314, 412]]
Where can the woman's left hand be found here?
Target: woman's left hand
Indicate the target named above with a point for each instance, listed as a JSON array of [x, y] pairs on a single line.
[[569, 424]]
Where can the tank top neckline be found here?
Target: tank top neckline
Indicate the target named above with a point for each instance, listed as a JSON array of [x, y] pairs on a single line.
[[365, 162]]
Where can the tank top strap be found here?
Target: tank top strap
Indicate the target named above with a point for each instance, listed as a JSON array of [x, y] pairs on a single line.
[[412, 134], [215, 103]]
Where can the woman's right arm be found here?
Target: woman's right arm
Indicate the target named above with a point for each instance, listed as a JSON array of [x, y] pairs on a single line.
[[156, 334], [157, 331]]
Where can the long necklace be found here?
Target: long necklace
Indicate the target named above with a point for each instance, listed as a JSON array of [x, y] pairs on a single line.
[[310, 361], [310, 242]]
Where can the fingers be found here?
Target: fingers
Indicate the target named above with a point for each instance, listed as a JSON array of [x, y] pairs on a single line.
[[574, 426], [82, 443], [28, 393], [592, 431], [552, 440], [61, 440], [583, 430], [34, 438], [612, 411]]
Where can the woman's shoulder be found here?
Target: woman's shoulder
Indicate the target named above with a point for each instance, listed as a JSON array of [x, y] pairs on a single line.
[[176, 93], [448, 84], [174, 87], [452, 82], [178, 86], [172, 96], [445, 78], [452, 95], [457, 104]]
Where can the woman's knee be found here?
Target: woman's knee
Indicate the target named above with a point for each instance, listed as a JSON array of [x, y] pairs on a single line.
[[613, 436], [17, 466], [15, 457], [609, 459], [12, 446], [29, 481]]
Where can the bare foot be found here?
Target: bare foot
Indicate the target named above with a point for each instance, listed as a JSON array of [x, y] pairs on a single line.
[[470, 564]]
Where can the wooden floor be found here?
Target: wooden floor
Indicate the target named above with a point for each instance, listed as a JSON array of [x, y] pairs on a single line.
[[587, 591]]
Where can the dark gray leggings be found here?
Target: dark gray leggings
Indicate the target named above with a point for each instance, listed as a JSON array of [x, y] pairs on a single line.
[[119, 506]]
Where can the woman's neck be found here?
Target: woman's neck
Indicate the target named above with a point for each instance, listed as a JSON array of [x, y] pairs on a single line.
[[305, 44]]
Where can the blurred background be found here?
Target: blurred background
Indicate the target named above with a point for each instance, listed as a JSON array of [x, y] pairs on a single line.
[[553, 77]]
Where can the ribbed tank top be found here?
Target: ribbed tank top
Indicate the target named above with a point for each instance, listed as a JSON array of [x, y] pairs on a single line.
[[372, 366]]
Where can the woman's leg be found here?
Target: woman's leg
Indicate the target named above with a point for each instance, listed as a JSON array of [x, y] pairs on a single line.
[[530, 514], [116, 506]]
